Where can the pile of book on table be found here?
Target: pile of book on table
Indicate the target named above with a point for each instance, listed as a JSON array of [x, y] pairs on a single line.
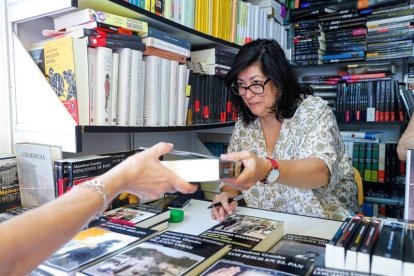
[[372, 245]]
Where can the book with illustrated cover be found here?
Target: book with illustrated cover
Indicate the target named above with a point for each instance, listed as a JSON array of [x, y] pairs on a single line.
[[248, 262], [168, 253], [302, 247], [9, 184], [247, 231], [35, 172], [94, 243]]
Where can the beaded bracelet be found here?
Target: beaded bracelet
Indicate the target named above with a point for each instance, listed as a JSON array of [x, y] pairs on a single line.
[[97, 186]]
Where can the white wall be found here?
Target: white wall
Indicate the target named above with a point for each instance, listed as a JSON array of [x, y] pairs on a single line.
[[5, 103]]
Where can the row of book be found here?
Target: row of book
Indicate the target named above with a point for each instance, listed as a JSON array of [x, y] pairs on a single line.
[[329, 34], [232, 20], [375, 161], [363, 100], [372, 209], [371, 245], [114, 85], [134, 239]]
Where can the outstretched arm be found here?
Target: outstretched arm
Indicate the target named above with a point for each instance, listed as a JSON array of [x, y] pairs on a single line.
[[30, 238]]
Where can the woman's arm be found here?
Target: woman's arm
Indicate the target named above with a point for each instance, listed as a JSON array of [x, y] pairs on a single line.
[[30, 238], [406, 141]]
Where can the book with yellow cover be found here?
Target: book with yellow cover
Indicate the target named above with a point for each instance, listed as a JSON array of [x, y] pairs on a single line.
[[60, 71]]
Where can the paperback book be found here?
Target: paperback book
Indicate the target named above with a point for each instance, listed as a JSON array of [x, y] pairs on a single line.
[[246, 231], [302, 247], [169, 253], [248, 262], [94, 243], [9, 184]]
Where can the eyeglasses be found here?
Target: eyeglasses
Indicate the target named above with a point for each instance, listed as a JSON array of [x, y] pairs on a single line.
[[256, 88]]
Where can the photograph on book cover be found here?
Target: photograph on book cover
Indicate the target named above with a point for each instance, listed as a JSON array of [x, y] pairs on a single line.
[[249, 226], [88, 245], [128, 215], [147, 259], [225, 267]]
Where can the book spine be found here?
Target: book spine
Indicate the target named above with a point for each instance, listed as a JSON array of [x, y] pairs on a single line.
[[157, 43], [95, 41], [135, 25], [168, 38]]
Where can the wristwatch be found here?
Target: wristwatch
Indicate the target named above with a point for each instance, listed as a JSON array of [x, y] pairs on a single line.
[[273, 175]]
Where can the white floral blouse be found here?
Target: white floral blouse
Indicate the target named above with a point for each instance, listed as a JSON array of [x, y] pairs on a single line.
[[311, 133]]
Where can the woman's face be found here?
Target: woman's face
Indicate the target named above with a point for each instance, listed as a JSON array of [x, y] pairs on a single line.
[[259, 104]]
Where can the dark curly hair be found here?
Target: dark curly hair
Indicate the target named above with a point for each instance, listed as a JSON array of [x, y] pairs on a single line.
[[270, 56]]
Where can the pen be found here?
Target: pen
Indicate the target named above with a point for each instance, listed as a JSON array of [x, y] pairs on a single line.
[[236, 198]]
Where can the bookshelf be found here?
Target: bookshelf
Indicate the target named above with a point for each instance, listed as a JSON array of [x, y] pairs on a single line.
[[31, 91], [337, 39]]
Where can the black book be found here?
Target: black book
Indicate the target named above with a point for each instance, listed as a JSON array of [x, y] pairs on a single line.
[[408, 260], [388, 254], [95, 41]]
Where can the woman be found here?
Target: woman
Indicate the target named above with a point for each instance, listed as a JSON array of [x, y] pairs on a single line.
[[290, 144], [30, 238]]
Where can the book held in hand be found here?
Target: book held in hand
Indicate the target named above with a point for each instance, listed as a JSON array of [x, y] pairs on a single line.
[[168, 253], [247, 231]]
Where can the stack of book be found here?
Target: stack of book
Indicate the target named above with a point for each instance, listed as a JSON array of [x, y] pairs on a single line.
[[345, 33], [390, 32], [369, 245], [309, 42]]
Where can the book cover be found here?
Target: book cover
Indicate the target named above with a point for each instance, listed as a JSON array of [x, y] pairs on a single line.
[[302, 247], [241, 261], [94, 243], [60, 71], [9, 184], [136, 215], [169, 253], [87, 167], [246, 231], [35, 172]]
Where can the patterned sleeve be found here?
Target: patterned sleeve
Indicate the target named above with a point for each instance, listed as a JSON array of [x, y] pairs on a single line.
[[234, 144], [323, 141]]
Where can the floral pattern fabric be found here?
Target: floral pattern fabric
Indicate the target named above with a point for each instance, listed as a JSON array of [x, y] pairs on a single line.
[[311, 133]]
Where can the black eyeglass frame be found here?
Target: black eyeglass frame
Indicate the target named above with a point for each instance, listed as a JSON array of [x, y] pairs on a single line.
[[235, 88]]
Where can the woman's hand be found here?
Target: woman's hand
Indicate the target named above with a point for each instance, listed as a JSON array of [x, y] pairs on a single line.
[[221, 212], [255, 169]]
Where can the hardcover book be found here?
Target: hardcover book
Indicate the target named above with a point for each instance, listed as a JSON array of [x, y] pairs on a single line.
[[169, 253], [35, 172], [302, 247], [246, 231], [248, 262], [9, 184], [94, 243]]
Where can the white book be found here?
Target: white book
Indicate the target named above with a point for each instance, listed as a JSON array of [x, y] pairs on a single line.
[[35, 172], [152, 95], [103, 78], [182, 83], [165, 91], [91, 78], [124, 85], [80, 55], [160, 44], [141, 81], [114, 89], [134, 98], [167, 9], [74, 18], [172, 117]]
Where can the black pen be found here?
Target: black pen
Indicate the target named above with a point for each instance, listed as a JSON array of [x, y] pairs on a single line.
[[236, 198]]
